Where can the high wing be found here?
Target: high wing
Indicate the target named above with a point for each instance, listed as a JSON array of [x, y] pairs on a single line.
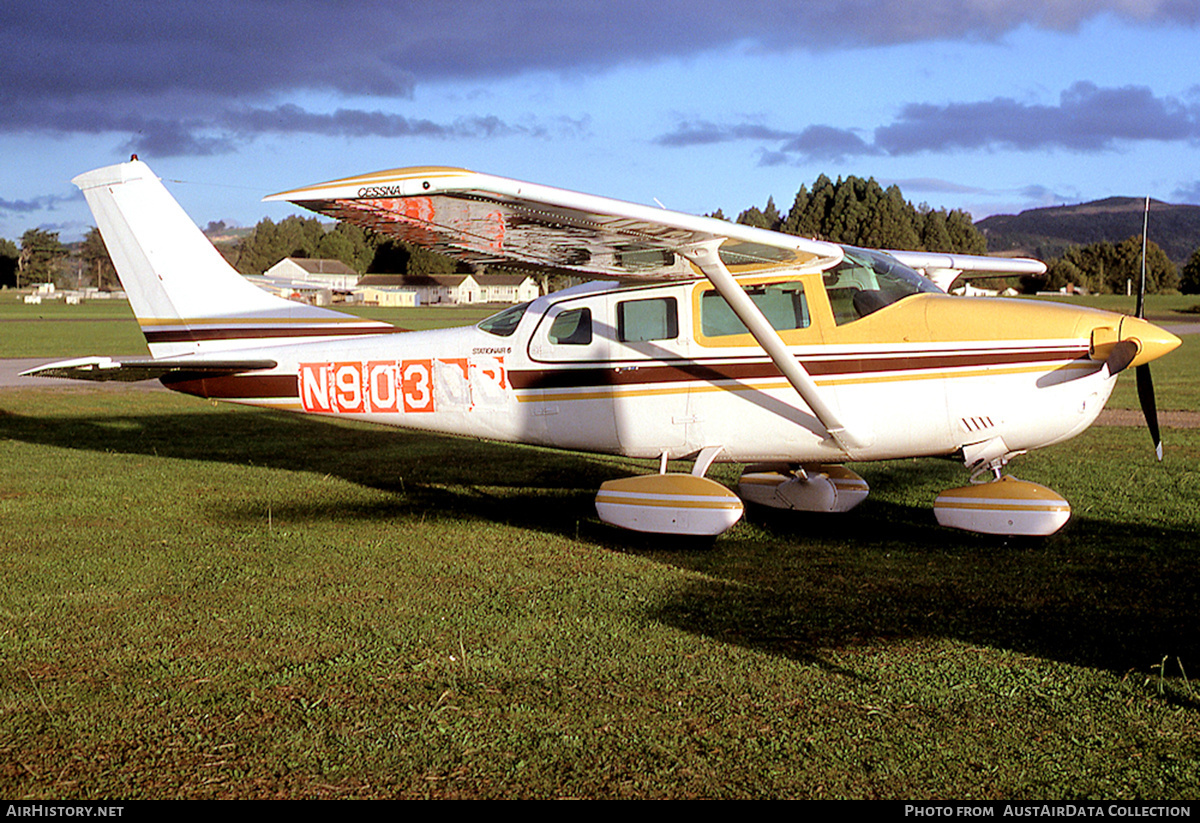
[[944, 268], [487, 219], [483, 218]]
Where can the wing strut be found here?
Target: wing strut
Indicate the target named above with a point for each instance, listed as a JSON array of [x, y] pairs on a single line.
[[706, 258]]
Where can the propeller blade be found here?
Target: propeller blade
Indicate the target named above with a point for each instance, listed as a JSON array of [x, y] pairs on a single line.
[[1121, 356], [1145, 387]]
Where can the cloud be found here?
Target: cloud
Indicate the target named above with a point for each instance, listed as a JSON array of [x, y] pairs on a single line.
[[45, 202], [1087, 118], [113, 52], [1188, 193], [219, 132], [702, 132], [197, 78], [1045, 196], [291, 119], [828, 143], [933, 184]]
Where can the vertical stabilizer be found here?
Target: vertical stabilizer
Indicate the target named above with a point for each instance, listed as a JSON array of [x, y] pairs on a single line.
[[186, 297]]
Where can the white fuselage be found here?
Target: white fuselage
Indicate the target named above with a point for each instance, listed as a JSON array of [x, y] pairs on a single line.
[[642, 384]]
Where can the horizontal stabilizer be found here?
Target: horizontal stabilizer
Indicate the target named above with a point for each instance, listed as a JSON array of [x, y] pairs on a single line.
[[142, 368]]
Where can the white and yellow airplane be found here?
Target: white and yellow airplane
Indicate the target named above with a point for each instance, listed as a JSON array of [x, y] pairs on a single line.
[[733, 344]]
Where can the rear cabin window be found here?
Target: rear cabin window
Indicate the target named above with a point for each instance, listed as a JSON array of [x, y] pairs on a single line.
[[642, 320], [783, 304], [572, 328]]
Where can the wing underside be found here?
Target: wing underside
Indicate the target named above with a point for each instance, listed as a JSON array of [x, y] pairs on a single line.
[[491, 220]]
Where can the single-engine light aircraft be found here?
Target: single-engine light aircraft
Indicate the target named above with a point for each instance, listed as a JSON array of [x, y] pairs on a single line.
[[723, 343]]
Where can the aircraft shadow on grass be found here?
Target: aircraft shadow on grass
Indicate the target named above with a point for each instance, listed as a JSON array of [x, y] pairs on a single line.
[[1102, 594]]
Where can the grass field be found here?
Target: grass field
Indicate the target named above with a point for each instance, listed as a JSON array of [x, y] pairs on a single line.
[[213, 601]]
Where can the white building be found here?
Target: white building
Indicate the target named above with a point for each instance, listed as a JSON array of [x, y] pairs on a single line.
[[329, 274], [456, 289]]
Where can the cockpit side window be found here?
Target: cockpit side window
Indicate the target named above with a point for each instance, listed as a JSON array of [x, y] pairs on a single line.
[[866, 281], [572, 328], [504, 323]]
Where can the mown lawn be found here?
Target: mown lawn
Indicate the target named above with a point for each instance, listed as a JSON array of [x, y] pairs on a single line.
[[213, 601], [203, 601]]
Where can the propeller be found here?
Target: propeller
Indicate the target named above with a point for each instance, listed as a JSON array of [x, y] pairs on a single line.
[[1145, 385], [1145, 388]]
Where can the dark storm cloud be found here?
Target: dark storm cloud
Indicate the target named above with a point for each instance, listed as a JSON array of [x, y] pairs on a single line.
[[192, 62], [1087, 118]]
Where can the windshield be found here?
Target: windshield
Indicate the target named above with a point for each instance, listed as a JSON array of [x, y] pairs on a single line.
[[866, 281], [504, 323]]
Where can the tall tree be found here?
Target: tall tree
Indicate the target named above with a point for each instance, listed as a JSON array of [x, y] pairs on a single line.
[[96, 259], [1189, 281], [1104, 267], [10, 257], [398, 257], [860, 212], [41, 253]]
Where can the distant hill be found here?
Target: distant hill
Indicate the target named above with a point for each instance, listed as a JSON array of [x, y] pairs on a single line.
[[1046, 233]]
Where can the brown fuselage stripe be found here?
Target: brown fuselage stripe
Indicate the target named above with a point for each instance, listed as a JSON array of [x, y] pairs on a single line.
[[234, 387], [250, 386], [562, 378], [198, 335]]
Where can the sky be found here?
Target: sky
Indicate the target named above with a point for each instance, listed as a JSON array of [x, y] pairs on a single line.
[[992, 106]]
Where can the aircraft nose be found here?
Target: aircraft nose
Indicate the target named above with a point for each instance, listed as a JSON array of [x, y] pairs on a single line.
[[1151, 341]]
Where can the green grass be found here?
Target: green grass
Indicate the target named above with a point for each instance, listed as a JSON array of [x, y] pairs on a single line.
[[54, 329], [205, 601], [211, 601], [427, 317], [1176, 380], [1160, 308]]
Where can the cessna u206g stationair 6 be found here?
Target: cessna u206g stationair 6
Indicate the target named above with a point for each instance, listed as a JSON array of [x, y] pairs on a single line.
[[727, 343]]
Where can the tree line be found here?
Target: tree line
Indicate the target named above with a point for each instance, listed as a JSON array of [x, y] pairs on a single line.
[[362, 250], [860, 212], [42, 258], [852, 210]]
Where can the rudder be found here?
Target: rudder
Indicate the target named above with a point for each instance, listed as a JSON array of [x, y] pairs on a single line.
[[187, 298]]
